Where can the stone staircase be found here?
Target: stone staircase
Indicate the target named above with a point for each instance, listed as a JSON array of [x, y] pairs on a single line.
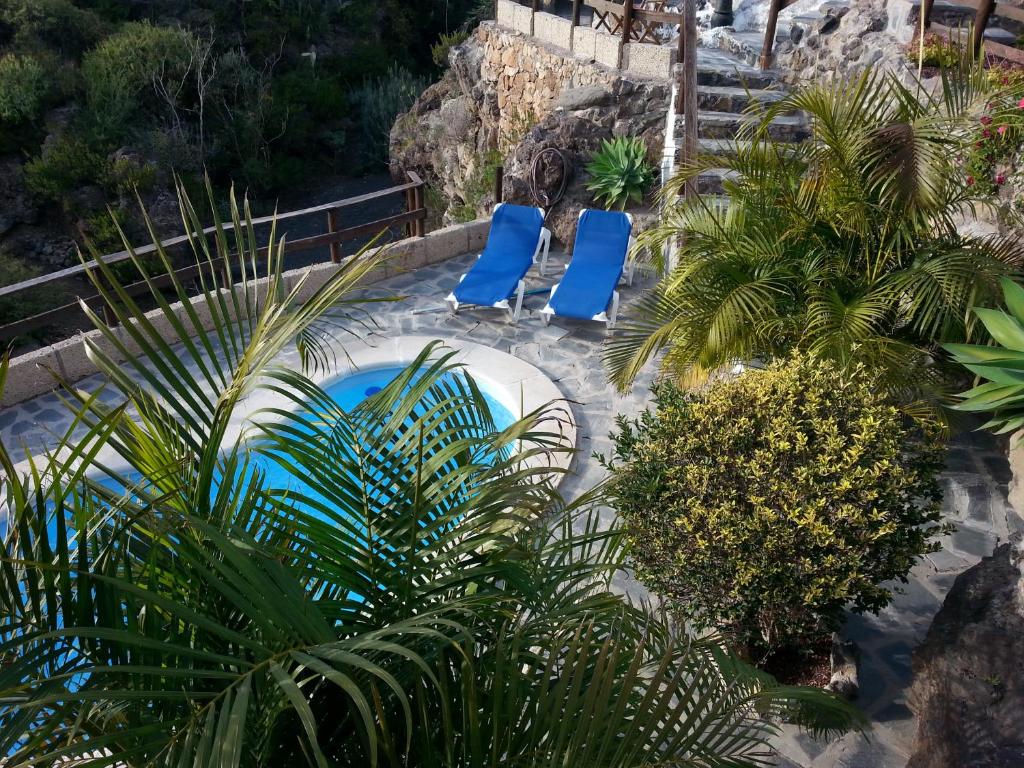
[[726, 85]]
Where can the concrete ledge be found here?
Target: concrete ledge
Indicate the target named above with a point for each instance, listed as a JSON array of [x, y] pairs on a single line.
[[506, 13], [584, 43], [522, 19], [606, 49], [553, 29], [29, 374], [648, 59]]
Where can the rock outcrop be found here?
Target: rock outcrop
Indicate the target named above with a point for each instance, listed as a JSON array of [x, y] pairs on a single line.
[[968, 689], [505, 98]]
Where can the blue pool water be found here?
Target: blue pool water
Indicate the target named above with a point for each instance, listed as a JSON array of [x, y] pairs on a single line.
[[348, 392]]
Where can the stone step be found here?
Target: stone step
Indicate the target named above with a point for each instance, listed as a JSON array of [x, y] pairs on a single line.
[[727, 98], [727, 125], [719, 68], [710, 181]]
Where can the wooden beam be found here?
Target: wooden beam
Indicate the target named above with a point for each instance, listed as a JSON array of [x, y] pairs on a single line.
[[689, 88], [985, 8], [769, 33]]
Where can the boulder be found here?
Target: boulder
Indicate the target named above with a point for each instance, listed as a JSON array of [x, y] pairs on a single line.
[[577, 99], [968, 684]]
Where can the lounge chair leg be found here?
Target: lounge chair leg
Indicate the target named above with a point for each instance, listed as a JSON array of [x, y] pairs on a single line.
[[545, 318], [613, 313], [545, 248], [453, 307], [517, 310]]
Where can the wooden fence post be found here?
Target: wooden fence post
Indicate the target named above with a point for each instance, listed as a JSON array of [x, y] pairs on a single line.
[[421, 225], [926, 12], [769, 33], [689, 89], [332, 227], [985, 8], [627, 21]]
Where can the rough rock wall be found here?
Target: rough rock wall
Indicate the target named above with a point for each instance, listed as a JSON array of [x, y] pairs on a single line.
[[844, 41], [507, 96]]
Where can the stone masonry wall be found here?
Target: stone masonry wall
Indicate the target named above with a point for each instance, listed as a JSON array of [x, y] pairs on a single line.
[[508, 95]]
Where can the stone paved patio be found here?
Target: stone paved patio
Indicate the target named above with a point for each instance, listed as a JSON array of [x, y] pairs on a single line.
[[976, 484]]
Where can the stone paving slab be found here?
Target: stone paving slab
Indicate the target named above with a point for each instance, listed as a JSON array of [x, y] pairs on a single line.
[[569, 352]]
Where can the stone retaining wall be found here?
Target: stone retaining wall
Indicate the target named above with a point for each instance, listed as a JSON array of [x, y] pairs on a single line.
[[33, 373], [592, 45]]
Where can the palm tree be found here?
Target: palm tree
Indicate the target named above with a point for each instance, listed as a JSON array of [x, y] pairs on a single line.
[[403, 598], [846, 245]]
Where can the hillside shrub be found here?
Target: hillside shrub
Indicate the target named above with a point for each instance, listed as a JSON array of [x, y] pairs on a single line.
[[58, 25], [765, 504], [66, 164], [439, 51], [121, 72], [23, 88]]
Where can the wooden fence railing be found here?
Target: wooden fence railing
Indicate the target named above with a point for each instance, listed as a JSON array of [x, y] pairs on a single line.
[[637, 21], [413, 219]]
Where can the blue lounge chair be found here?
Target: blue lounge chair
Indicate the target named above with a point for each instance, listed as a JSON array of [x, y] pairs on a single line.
[[587, 291], [517, 240]]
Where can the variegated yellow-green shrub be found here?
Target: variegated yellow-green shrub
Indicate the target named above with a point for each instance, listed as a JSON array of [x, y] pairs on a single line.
[[766, 504]]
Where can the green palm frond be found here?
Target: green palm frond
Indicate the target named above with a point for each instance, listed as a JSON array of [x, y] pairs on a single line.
[[845, 245]]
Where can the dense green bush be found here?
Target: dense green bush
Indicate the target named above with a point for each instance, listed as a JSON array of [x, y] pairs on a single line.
[[619, 172], [123, 74], [765, 504], [22, 88], [66, 164], [57, 25]]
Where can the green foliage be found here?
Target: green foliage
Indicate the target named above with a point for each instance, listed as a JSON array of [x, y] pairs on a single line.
[[439, 51], [378, 102], [766, 504], [66, 164], [392, 595], [125, 176], [56, 25], [619, 172], [1001, 392], [122, 75], [846, 246], [937, 51], [23, 88]]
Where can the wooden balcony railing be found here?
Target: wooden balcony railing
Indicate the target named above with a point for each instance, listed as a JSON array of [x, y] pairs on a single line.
[[413, 219]]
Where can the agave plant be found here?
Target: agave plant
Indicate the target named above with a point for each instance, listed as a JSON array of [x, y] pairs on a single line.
[[846, 246], [619, 172], [1000, 366], [414, 592]]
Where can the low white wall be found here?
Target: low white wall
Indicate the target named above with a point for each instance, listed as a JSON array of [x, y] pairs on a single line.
[[33, 373]]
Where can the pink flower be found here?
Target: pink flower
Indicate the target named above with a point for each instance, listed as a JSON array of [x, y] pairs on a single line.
[[1002, 130], [1000, 179], [1020, 104], [987, 134], [986, 120], [970, 181]]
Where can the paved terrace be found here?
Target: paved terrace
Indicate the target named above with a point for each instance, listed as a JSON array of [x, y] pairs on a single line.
[[976, 483]]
